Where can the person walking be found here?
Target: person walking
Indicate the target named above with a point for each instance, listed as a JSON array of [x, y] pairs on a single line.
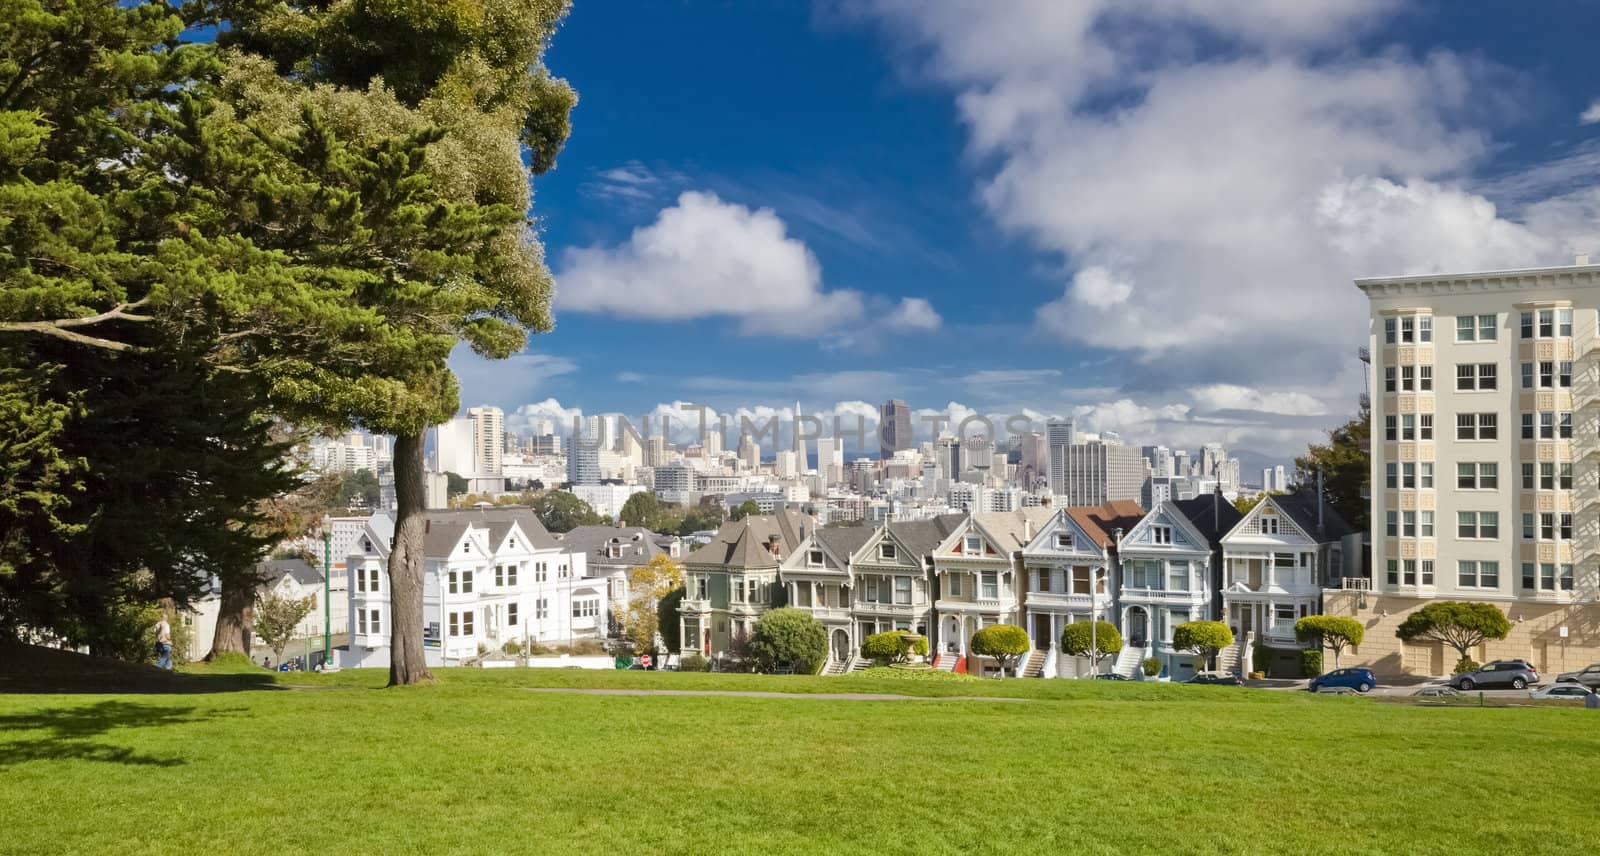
[[163, 643]]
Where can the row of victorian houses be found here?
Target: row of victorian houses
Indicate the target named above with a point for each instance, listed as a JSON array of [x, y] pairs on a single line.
[[1037, 568]]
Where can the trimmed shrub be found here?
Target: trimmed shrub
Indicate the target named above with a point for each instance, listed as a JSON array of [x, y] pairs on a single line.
[[789, 637], [1205, 638], [514, 647], [888, 647], [1095, 641], [1310, 663], [1467, 664], [1260, 659], [1006, 643], [1152, 666], [694, 663]]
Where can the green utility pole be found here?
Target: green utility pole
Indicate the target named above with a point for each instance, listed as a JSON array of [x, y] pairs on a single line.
[[327, 594]]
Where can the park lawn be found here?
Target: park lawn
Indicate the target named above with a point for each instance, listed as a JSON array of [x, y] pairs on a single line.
[[476, 763]]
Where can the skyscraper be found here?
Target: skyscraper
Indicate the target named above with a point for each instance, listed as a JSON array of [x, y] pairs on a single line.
[[894, 428], [1060, 436], [749, 452]]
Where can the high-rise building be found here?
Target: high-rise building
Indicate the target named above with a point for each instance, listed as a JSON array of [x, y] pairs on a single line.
[[947, 455], [1059, 436], [749, 452], [655, 451], [1098, 472], [894, 428], [583, 452], [488, 439], [1180, 464], [830, 459], [712, 441], [1160, 458], [1485, 399]]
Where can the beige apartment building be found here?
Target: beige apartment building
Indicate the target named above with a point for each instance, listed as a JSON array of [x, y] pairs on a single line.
[[1485, 391]]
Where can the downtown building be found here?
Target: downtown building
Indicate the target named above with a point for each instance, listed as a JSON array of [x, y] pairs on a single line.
[[1485, 438]]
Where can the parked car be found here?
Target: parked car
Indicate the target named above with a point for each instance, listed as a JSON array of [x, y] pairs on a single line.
[[1112, 676], [1568, 691], [1500, 674], [1222, 680], [1360, 680], [1589, 676], [1437, 692]]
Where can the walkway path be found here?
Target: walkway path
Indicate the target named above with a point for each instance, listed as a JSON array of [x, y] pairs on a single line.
[[741, 694]]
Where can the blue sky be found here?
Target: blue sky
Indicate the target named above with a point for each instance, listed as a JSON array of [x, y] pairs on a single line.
[[1146, 215]]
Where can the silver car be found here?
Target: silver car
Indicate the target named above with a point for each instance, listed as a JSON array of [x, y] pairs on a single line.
[[1501, 674], [1589, 676], [1564, 692]]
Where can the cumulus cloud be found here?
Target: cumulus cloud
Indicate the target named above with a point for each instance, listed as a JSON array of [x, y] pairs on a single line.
[[1215, 214], [913, 313], [1225, 396], [1591, 115]]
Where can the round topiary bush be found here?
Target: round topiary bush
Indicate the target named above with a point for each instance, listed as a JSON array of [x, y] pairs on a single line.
[[694, 663], [890, 647], [1006, 643], [1151, 666], [1465, 665]]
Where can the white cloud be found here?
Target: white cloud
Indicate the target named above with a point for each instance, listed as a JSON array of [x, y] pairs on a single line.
[[913, 313], [1224, 396], [1211, 218], [1591, 115], [992, 377]]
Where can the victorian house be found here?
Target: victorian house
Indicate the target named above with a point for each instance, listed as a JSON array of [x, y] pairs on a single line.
[[976, 569], [1069, 576], [731, 580]]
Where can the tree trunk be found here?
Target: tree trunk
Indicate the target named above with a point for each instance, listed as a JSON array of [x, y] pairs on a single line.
[[406, 662], [233, 618]]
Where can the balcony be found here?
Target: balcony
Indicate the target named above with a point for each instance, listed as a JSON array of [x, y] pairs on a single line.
[[1355, 584]]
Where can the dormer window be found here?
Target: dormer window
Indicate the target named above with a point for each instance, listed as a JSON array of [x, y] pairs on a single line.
[[1161, 534], [1269, 522], [1064, 541], [974, 544], [886, 551], [814, 558]]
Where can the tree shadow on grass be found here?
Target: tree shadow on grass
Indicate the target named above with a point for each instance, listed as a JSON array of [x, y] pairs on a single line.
[[69, 732], [37, 670]]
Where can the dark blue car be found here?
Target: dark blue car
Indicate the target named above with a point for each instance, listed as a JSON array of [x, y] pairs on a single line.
[[1360, 680]]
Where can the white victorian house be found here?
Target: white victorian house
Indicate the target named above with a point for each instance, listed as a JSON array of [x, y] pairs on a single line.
[[490, 576], [976, 569], [1274, 562], [1068, 576], [816, 578], [1166, 563]]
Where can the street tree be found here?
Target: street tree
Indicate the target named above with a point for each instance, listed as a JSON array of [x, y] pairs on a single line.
[[1462, 625], [789, 637], [563, 511], [648, 584], [1204, 638], [278, 620], [1335, 632], [1094, 641], [745, 509], [1344, 463], [1006, 643]]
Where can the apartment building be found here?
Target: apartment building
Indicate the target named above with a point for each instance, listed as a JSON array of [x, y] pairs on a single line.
[[1485, 399]]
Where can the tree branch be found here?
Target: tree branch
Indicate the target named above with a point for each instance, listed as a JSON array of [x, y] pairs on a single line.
[[61, 328]]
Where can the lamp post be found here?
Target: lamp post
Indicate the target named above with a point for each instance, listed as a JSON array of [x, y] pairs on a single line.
[[327, 596], [1094, 617]]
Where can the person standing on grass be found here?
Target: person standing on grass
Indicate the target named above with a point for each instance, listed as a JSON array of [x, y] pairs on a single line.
[[163, 643]]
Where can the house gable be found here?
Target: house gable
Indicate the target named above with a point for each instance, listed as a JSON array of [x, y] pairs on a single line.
[[873, 552], [1062, 537], [1178, 535], [969, 541], [1267, 522]]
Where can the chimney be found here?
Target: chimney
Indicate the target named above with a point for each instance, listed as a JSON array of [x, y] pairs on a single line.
[[1580, 259], [1027, 529]]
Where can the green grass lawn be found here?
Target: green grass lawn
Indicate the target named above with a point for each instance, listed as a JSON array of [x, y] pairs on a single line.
[[240, 763]]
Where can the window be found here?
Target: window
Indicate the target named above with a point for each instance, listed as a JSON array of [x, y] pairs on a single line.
[[1477, 524], [1527, 525], [372, 579], [1476, 426], [587, 607], [1425, 378], [974, 544], [736, 588], [361, 621], [461, 623], [361, 580], [1388, 331], [1269, 523], [1527, 325], [1064, 541], [1527, 375], [1161, 534], [1484, 476], [1564, 321], [1394, 572], [1427, 572], [1042, 580], [1564, 425], [1410, 571], [1566, 578], [1547, 526], [955, 582], [1426, 524], [886, 551], [1470, 376], [1408, 378], [499, 575], [1425, 328], [466, 582], [511, 574], [541, 607], [1527, 426], [541, 572], [1426, 477], [1566, 526], [1547, 426], [1527, 476], [1388, 379], [753, 591], [1390, 476], [1408, 475], [1547, 476], [1426, 421], [1528, 580], [1390, 432], [1466, 328], [1566, 476], [1392, 529], [814, 558], [1474, 574], [1566, 373], [1547, 576], [511, 614], [1547, 323], [1178, 576], [991, 585], [1408, 327], [1408, 426], [455, 585], [1408, 524], [902, 590], [1080, 580]]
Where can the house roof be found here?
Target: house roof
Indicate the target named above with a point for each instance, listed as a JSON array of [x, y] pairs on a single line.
[[445, 527], [1213, 515], [1302, 508], [274, 570], [743, 544], [844, 541], [1014, 529], [639, 545], [1101, 522], [922, 536]]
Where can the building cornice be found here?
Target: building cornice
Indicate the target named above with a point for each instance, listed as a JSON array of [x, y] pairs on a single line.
[[1567, 276]]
